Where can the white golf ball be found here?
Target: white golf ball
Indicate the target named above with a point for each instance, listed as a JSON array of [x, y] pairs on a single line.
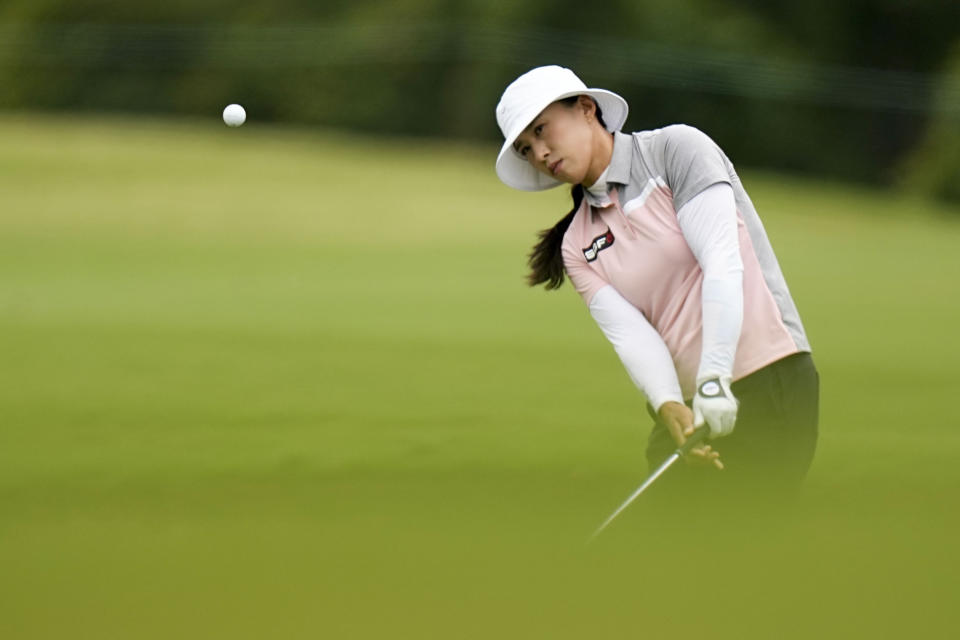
[[234, 115]]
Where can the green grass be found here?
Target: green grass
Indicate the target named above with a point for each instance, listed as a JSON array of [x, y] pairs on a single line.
[[280, 383]]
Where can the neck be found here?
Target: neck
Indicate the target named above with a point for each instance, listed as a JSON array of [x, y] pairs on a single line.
[[600, 159]]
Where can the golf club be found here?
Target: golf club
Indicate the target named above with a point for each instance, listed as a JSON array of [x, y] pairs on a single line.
[[695, 438]]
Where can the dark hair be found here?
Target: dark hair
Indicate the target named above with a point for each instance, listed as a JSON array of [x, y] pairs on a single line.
[[545, 259]]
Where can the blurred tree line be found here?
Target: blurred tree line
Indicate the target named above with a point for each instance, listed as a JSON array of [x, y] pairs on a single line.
[[863, 90]]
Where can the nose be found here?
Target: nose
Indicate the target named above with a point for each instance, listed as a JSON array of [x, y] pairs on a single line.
[[540, 151]]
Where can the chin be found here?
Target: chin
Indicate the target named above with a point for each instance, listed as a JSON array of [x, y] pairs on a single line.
[[570, 179]]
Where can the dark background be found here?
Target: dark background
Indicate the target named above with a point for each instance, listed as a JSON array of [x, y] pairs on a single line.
[[863, 91]]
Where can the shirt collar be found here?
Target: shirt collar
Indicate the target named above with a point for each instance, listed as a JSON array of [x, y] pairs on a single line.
[[619, 169]]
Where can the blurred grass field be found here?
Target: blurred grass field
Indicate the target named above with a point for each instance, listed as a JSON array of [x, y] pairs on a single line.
[[271, 382]]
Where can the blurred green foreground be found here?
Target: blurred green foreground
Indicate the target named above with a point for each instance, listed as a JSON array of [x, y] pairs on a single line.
[[276, 383]]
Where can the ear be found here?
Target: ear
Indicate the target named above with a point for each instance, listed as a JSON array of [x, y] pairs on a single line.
[[588, 106]]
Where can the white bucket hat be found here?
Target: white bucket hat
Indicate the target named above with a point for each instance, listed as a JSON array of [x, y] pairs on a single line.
[[523, 101]]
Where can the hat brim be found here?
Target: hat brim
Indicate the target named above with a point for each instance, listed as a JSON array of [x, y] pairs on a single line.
[[515, 171]]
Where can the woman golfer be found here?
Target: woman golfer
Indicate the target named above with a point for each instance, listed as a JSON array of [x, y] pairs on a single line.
[[667, 251]]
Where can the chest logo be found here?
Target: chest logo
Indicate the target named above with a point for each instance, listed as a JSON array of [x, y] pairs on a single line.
[[600, 243]]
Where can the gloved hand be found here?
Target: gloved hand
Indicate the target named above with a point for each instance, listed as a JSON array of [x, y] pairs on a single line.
[[715, 405]]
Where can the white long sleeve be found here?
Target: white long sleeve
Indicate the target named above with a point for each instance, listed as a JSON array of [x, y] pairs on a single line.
[[709, 225], [641, 349]]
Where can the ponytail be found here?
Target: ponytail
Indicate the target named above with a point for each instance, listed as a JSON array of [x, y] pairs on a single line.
[[546, 260]]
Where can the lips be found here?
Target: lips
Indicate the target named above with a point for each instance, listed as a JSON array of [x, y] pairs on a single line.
[[555, 167]]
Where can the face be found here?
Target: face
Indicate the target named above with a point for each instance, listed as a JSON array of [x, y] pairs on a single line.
[[559, 141]]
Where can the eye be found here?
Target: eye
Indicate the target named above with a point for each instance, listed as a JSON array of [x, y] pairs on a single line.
[[538, 129], [523, 151]]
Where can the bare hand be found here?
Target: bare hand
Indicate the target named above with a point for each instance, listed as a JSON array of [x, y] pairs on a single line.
[[679, 420]]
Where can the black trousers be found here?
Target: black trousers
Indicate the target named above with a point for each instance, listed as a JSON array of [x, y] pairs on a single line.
[[772, 445]]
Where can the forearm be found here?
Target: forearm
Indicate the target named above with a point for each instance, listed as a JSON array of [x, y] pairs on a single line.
[[641, 349], [722, 320]]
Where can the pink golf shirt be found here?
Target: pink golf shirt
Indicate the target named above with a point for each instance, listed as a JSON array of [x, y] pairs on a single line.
[[639, 249]]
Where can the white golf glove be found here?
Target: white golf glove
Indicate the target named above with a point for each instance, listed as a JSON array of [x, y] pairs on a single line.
[[715, 405]]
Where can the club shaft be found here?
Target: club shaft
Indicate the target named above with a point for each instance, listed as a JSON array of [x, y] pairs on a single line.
[[695, 438], [653, 476]]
